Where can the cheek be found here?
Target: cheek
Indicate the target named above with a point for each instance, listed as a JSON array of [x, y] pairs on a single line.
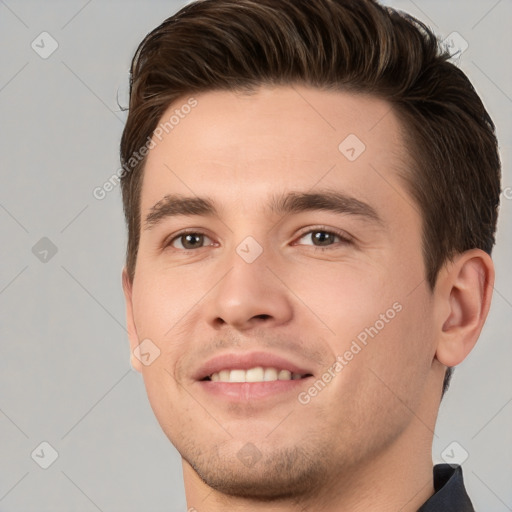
[[160, 301], [397, 359], [347, 297], [165, 308], [381, 315]]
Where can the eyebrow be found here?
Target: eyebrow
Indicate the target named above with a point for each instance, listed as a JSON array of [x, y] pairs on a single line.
[[282, 204]]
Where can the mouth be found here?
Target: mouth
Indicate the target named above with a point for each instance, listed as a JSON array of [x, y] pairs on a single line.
[[255, 374], [243, 377]]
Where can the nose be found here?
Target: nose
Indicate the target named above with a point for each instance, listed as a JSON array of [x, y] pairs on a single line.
[[249, 295]]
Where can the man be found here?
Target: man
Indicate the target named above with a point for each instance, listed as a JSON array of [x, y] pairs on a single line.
[[311, 192]]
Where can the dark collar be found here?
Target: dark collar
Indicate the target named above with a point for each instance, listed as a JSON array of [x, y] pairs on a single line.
[[450, 495]]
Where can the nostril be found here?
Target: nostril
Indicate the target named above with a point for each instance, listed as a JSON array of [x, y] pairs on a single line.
[[262, 316]]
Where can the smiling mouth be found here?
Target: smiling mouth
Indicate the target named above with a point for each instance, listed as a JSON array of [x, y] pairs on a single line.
[[256, 374]]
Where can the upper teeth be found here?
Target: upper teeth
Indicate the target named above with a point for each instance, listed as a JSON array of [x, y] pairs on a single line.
[[257, 374]]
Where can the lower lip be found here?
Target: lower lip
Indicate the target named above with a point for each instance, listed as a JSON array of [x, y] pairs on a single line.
[[249, 391]]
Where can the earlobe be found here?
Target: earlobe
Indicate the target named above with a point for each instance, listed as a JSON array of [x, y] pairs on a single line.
[[464, 289], [130, 322]]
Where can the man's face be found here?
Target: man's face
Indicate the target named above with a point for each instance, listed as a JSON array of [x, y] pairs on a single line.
[[335, 297]]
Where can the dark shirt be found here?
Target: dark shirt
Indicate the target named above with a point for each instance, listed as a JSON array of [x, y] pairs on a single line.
[[450, 495]]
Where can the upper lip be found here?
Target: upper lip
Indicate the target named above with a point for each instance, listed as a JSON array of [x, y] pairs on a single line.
[[244, 361]]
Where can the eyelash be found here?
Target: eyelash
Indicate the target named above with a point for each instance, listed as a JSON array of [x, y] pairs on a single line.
[[343, 238]]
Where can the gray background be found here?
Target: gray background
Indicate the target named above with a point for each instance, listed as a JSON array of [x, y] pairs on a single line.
[[65, 376]]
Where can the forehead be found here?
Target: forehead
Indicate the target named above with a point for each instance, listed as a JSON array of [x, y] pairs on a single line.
[[235, 145]]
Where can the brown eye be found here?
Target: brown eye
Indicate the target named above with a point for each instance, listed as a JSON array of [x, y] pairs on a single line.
[[189, 241], [322, 238]]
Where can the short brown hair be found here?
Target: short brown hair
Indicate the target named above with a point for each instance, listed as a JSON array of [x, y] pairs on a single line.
[[350, 45]]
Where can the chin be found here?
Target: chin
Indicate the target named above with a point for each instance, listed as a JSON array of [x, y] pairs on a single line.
[[280, 475]]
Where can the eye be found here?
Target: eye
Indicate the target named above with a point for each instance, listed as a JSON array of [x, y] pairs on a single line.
[[324, 238], [189, 240]]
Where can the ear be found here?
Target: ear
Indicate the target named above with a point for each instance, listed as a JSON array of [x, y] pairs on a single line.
[[130, 322], [464, 290]]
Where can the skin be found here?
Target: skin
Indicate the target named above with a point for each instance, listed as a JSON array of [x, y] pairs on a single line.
[[363, 442]]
